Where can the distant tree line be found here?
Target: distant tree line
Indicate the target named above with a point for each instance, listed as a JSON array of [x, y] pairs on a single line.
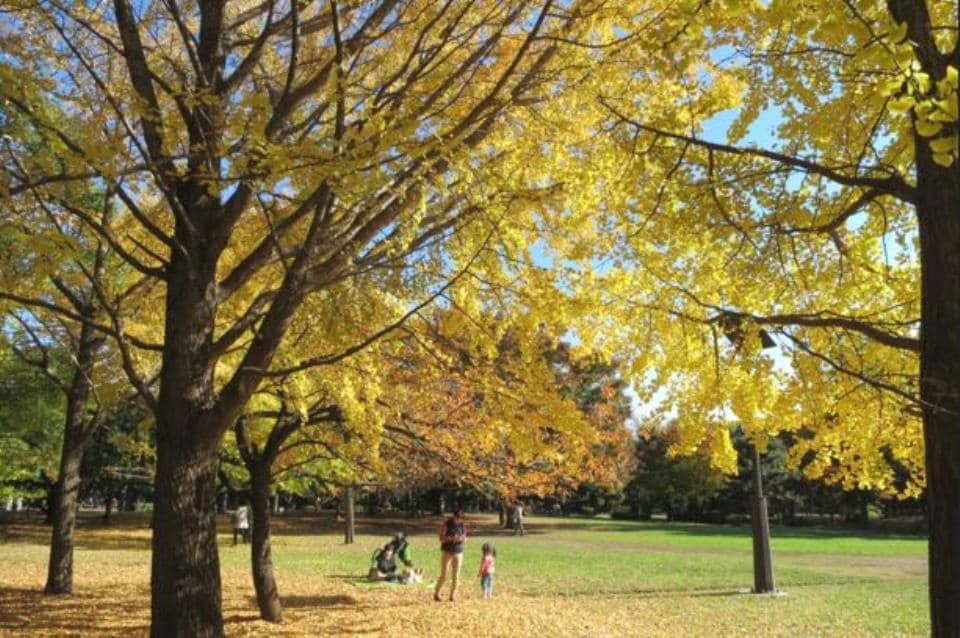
[[119, 467], [688, 488]]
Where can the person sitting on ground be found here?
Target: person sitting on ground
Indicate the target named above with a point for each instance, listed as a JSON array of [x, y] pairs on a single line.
[[385, 565], [401, 549]]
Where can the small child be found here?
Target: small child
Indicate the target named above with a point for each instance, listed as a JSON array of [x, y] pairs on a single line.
[[411, 576], [487, 568]]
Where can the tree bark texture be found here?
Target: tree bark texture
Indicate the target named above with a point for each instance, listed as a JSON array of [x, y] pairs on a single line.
[[64, 516], [63, 506], [185, 576], [268, 598], [938, 211]]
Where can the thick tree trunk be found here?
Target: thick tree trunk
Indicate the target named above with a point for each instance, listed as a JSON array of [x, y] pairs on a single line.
[[185, 578], [185, 572], [63, 506], [268, 599], [938, 211]]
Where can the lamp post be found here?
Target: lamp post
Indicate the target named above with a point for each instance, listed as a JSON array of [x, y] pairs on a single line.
[[733, 325], [762, 560]]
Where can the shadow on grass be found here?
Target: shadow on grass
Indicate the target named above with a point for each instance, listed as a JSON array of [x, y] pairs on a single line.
[[337, 600], [686, 593], [364, 629], [787, 532], [733, 531], [328, 524], [319, 626], [130, 530], [29, 609], [785, 586], [363, 581], [489, 530], [83, 541], [350, 578]]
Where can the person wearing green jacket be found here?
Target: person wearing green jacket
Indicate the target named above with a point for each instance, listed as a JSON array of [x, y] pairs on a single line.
[[401, 549]]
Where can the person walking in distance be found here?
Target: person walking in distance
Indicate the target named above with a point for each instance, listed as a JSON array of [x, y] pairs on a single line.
[[453, 535], [518, 519], [241, 523]]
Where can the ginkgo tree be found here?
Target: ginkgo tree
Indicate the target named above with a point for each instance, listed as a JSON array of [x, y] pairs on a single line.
[[53, 279], [262, 153], [84, 380], [490, 403], [834, 235], [282, 435], [320, 426]]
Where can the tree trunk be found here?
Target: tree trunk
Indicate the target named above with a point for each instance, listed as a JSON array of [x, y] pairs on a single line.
[[268, 599], [50, 502], [863, 509], [185, 576], [790, 513], [348, 515], [63, 507], [373, 502], [185, 571], [64, 515], [938, 211]]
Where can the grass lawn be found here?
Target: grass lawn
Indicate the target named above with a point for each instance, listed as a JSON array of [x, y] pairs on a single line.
[[567, 577]]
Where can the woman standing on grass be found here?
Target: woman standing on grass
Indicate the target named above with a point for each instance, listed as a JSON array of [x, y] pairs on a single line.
[[453, 535]]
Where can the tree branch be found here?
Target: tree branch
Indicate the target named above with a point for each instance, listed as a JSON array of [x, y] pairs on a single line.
[[893, 185]]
